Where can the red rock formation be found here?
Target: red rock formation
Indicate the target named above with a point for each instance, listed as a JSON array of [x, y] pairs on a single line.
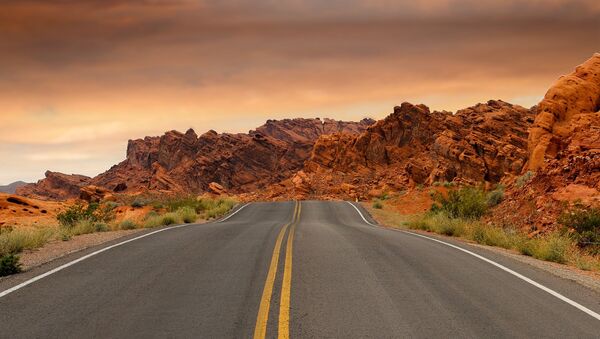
[[415, 146], [56, 186], [570, 107], [564, 146], [178, 162]]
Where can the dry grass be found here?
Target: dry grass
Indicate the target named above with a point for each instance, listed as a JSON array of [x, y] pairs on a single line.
[[555, 247], [13, 241]]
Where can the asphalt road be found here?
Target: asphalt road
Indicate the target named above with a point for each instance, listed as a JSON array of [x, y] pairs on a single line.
[[307, 270]]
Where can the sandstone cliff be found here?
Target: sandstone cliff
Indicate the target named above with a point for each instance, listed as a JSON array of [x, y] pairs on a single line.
[[564, 152], [56, 186], [411, 146], [185, 162]]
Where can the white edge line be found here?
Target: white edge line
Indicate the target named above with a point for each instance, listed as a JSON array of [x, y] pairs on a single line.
[[502, 267], [234, 213], [71, 263]]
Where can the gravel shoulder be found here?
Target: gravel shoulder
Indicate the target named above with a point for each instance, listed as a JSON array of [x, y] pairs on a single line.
[[57, 249]]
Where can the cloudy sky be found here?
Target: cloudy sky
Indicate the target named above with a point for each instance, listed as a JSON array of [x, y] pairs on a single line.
[[79, 78]]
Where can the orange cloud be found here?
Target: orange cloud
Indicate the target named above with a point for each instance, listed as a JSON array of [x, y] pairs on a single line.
[[82, 77]]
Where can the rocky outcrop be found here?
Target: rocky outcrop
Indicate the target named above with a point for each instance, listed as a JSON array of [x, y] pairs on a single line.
[[483, 143], [93, 193], [187, 163], [564, 149], [179, 162], [568, 116], [56, 186]]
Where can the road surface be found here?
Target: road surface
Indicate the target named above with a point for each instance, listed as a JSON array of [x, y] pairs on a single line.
[[299, 269]]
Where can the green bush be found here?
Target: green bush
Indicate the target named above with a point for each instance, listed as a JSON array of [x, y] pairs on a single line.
[[585, 223], [524, 179], [467, 202], [9, 264], [93, 212], [377, 204], [139, 202], [127, 225], [101, 227], [495, 197], [187, 214]]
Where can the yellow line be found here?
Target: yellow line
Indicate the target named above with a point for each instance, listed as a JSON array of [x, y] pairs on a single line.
[[286, 286], [260, 330]]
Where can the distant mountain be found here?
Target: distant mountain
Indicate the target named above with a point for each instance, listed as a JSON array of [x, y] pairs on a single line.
[[11, 188]]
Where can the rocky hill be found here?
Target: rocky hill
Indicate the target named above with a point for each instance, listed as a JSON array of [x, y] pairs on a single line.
[[185, 162], [558, 141], [412, 146]]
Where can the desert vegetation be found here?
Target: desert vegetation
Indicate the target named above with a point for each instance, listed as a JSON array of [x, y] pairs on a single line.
[[82, 218], [459, 213]]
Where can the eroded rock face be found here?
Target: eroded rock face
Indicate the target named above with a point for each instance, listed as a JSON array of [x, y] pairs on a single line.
[[185, 163], [567, 115], [564, 147], [483, 143], [56, 186]]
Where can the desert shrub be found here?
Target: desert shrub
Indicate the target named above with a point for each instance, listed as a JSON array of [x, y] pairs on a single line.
[[169, 219], [489, 235], [467, 202], [76, 213], [553, 247], [214, 208], [377, 204], [187, 214], [139, 202], [83, 226], [153, 221], [101, 227], [436, 183], [111, 205], [191, 201], [448, 184], [17, 240], [524, 179], [420, 187], [495, 197], [127, 225], [439, 222], [9, 264], [151, 214], [586, 225], [93, 212]]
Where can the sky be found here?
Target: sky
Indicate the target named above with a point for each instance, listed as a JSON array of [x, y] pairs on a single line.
[[79, 78]]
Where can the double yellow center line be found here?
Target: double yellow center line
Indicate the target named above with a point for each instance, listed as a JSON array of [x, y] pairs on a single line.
[[262, 319]]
